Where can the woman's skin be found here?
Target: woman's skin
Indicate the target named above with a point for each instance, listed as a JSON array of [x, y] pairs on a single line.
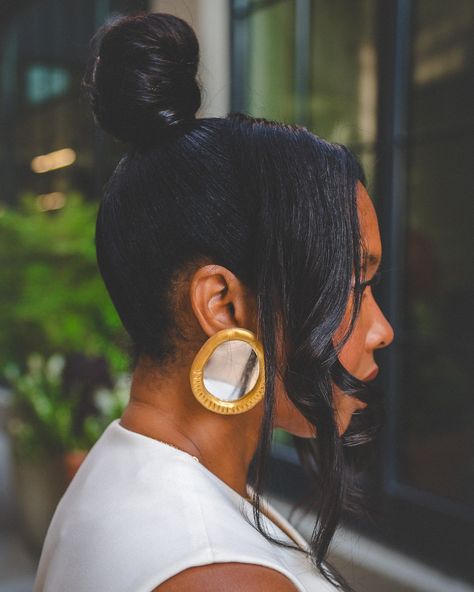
[[162, 405]]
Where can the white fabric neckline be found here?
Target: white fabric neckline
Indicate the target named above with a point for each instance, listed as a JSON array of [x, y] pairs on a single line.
[[294, 533]]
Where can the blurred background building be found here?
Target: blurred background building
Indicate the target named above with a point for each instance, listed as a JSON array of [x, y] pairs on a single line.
[[392, 79]]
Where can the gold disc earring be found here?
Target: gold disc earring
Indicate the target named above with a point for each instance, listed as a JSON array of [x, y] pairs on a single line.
[[228, 373]]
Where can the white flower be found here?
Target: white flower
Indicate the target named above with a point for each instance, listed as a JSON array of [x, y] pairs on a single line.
[[104, 400], [122, 388], [35, 363], [54, 367]]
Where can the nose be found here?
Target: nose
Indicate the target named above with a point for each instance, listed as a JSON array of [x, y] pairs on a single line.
[[381, 332]]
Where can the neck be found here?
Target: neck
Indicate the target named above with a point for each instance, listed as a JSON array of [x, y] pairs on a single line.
[[163, 407]]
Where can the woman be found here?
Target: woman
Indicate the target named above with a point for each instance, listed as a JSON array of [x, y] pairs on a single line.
[[231, 232]]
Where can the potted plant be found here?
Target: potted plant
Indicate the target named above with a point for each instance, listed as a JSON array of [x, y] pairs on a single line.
[[52, 296], [59, 407], [53, 299]]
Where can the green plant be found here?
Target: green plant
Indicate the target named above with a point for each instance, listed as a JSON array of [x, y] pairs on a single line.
[[44, 419], [110, 404], [52, 297]]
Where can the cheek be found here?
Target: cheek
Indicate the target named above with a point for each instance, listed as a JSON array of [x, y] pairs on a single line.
[[287, 415], [352, 353]]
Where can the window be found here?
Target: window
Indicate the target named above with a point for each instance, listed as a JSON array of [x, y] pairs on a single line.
[[434, 437], [393, 80], [342, 98], [264, 39], [45, 82], [44, 51]]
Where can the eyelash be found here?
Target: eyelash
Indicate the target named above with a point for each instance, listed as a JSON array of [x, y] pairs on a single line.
[[372, 282]]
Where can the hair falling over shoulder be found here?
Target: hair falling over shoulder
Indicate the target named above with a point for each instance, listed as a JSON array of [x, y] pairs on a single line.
[[291, 233]]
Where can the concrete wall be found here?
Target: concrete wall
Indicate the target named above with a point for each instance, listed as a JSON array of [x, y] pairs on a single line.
[[211, 21]]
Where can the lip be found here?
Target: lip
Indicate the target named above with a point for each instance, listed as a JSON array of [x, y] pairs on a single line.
[[372, 374]]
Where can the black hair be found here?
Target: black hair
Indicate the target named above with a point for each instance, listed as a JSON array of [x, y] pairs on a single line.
[[272, 202]]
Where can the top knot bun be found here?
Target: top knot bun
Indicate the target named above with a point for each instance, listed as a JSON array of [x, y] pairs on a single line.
[[142, 84]]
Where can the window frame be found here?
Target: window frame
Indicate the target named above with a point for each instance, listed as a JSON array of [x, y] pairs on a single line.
[[436, 531]]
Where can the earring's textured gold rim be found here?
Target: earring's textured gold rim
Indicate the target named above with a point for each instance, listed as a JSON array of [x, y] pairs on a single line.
[[196, 374]]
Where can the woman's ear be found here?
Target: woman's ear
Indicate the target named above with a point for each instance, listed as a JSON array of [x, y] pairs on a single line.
[[220, 300]]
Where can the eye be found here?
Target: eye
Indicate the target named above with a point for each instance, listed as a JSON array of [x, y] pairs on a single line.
[[372, 282]]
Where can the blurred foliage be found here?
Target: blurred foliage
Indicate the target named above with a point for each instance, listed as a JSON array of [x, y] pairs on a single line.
[[281, 436], [52, 297], [47, 417]]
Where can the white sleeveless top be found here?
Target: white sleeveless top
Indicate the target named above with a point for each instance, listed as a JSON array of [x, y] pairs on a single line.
[[139, 511]]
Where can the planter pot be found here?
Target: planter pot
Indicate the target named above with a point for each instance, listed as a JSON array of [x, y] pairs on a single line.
[[72, 461], [39, 486]]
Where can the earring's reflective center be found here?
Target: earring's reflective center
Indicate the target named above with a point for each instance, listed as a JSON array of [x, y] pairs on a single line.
[[231, 371]]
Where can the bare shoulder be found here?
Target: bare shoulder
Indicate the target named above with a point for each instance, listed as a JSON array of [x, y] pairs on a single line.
[[231, 577]]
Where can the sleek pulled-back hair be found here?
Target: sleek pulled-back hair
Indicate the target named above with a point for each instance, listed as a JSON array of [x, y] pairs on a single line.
[[273, 203]]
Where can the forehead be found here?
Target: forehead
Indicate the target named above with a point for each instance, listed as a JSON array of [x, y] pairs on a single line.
[[369, 226]]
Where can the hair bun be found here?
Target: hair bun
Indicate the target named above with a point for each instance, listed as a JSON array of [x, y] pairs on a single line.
[[142, 84]]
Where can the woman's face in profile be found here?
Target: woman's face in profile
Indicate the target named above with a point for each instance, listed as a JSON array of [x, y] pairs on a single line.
[[371, 331]]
